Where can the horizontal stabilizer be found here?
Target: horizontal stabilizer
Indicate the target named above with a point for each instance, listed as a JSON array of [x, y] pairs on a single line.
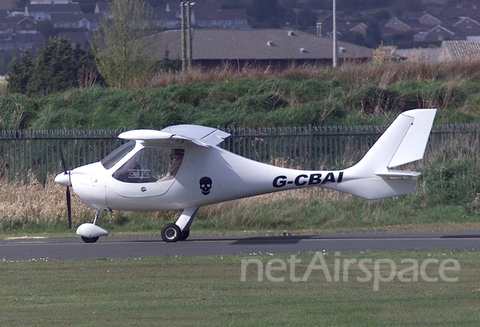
[[377, 187], [398, 174]]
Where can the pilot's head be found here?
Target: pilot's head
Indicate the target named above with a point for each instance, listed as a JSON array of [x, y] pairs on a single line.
[[177, 153]]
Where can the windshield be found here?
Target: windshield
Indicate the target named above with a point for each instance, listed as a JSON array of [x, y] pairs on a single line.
[[113, 157]]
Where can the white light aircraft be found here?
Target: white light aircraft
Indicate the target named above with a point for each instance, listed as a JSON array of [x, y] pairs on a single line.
[[182, 168]]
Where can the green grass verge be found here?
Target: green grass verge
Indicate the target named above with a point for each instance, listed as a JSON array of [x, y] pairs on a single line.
[[352, 95], [208, 291]]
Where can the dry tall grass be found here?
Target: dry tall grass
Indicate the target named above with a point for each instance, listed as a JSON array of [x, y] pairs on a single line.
[[33, 203], [379, 74]]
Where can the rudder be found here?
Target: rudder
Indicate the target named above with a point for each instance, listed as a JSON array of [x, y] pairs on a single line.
[[404, 141]]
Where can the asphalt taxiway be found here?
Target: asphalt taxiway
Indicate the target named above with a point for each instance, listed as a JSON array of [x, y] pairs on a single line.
[[112, 247]]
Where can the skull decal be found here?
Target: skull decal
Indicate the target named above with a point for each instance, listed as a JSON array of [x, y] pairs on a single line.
[[205, 185]]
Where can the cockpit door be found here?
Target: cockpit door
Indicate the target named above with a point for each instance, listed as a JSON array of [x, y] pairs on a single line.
[[150, 172]]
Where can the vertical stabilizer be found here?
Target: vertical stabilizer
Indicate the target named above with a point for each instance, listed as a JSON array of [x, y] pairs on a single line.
[[415, 141], [404, 141]]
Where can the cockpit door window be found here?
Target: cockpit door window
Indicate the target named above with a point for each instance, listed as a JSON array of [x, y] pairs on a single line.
[[150, 165]]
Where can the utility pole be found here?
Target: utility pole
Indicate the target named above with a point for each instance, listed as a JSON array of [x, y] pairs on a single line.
[[186, 30], [334, 61], [189, 34], [184, 36]]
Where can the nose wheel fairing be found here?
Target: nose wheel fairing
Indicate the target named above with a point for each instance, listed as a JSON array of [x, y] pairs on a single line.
[[90, 232]]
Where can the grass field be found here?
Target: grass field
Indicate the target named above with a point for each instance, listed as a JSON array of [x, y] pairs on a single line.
[[208, 291]]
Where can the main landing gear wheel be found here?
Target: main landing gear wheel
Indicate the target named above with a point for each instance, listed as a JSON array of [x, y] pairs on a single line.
[[171, 233], [89, 239]]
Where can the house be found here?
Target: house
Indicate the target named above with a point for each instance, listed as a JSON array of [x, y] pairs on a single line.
[[413, 22], [425, 55], [359, 28], [325, 26], [435, 34], [467, 26], [50, 2], [398, 25], [26, 25], [43, 12], [459, 50], [88, 22], [448, 51], [263, 48], [206, 15], [429, 20], [231, 18]]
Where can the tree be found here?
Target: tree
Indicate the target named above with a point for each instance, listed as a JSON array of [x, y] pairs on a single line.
[[54, 68], [123, 53], [374, 35], [86, 70], [19, 73], [57, 67]]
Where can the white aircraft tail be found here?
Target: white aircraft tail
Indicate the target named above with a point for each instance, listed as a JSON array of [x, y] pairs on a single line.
[[404, 141]]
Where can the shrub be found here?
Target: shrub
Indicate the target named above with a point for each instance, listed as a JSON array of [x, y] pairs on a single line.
[[452, 178]]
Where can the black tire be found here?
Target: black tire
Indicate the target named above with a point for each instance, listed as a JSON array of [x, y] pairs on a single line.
[[185, 235], [171, 233], [89, 239]]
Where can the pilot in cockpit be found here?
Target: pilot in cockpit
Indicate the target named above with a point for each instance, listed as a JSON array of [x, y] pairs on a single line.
[[176, 157]]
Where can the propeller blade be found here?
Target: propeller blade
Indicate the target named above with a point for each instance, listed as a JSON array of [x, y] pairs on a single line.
[[62, 158], [69, 208], [67, 193]]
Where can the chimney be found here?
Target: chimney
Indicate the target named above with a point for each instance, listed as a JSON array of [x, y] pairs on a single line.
[[319, 28]]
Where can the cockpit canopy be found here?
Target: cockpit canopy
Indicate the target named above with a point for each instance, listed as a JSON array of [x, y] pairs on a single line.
[[148, 165]]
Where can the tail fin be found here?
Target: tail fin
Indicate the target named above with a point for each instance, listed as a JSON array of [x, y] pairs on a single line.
[[404, 141]]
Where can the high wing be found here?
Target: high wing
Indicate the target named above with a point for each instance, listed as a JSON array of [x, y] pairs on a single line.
[[208, 135], [178, 134]]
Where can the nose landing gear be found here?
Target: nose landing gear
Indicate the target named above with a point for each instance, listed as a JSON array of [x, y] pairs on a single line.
[[90, 232]]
